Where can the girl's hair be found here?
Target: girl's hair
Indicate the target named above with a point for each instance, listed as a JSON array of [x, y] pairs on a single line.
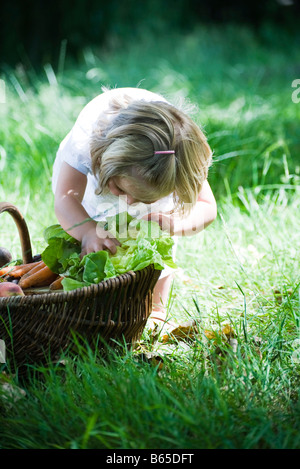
[[126, 146]]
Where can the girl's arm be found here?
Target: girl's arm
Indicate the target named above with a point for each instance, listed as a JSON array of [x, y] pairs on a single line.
[[201, 215], [73, 217]]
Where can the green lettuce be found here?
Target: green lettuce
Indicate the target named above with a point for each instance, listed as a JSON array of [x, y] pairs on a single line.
[[62, 250], [56, 231], [142, 243]]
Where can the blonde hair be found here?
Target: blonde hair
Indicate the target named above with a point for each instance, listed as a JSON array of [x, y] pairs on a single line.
[[126, 147]]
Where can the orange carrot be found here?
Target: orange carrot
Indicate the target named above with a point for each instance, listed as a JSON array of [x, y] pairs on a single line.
[[17, 270], [57, 285], [6, 270], [40, 265], [41, 278]]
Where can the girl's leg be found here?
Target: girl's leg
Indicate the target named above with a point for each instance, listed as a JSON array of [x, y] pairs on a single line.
[[159, 308], [161, 293]]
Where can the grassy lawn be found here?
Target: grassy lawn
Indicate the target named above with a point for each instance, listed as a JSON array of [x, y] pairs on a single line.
[[242, 272]]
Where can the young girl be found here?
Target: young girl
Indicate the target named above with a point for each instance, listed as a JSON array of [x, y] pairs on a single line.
[[130, 149]]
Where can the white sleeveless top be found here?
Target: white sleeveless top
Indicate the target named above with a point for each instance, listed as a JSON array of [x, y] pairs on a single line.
[[75, 150]]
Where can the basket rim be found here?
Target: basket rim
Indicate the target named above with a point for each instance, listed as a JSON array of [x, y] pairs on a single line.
[[90, 290]]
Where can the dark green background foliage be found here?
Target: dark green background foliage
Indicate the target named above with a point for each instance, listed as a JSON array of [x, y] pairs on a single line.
[[236, 61], [35, 29]]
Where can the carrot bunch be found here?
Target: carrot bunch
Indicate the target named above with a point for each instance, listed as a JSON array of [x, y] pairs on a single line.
[[35, 274]]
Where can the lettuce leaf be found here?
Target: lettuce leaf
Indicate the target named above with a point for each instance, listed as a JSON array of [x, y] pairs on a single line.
[[97, 266], [59, 255], [142, 243], [56, 231], [70, 283]]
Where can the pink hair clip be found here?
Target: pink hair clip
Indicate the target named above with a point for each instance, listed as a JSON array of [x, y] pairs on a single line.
[[166, 152]]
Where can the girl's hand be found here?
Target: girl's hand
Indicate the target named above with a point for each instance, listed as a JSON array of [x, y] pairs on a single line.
[[166, 222], [97, 239]]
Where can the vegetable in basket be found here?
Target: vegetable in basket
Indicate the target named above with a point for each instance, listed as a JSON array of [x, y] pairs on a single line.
[[10, 289], [5, 256], [142, 243]]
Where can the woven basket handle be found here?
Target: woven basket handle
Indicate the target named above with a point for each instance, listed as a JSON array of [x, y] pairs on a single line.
[[22, 228]]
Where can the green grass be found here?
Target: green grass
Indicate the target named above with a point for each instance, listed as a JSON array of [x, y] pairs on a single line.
[[128, 404], [243, 270]]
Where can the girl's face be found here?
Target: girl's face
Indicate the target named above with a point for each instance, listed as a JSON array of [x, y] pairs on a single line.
[[120, 185]]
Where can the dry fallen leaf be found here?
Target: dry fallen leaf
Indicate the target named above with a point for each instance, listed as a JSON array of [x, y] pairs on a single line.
[[210, 334], [228, 331], [186, 330], [189, 329]]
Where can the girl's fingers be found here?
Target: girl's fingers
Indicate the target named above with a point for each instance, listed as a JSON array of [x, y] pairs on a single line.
[[83, 253], [99, 244], [112, 238], [111, 245]]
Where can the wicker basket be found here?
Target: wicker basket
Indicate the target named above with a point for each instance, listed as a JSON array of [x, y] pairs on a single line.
[[37, 327]]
